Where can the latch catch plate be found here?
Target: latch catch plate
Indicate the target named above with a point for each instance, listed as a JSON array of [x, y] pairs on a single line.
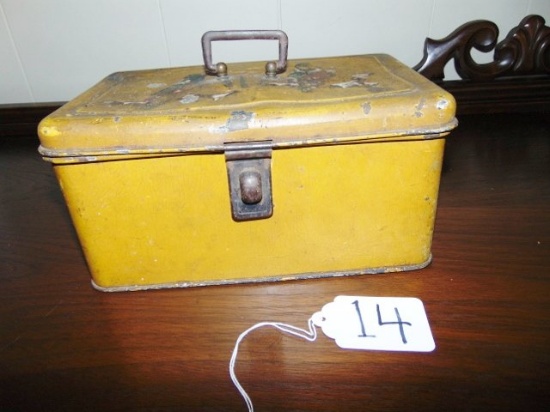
[[249, 175]]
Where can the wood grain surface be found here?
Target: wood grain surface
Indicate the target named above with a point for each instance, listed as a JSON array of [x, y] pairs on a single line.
[[65, 346]]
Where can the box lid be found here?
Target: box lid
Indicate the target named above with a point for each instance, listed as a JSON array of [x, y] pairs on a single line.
[[315, 101]]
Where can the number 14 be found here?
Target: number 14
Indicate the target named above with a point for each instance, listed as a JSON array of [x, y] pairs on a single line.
[[399, 322]]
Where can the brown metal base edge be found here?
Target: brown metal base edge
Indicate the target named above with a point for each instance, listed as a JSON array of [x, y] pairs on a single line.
[[283, 278]]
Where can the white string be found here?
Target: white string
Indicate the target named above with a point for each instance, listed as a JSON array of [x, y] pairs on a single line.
[[309, 335]]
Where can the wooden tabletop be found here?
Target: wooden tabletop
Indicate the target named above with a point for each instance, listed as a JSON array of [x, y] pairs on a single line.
[[66, 346]]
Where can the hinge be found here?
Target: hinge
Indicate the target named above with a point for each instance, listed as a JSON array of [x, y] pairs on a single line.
[[249, 175]]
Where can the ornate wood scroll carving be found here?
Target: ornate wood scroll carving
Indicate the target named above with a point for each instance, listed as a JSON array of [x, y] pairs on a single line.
[[524, 51]]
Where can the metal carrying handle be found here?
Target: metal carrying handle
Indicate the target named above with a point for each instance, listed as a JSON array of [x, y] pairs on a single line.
[[220, 69]]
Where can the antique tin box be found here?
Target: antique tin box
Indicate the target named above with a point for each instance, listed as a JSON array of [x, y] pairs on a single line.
[[225, 173]]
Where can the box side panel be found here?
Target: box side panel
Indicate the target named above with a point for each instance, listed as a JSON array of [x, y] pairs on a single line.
[[339, 208]]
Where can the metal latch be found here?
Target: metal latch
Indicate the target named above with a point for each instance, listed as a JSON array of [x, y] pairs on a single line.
[[249, 174]]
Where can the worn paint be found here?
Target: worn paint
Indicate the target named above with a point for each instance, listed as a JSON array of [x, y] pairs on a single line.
[[357, 80], [189, 98], [298, 107], [144, 156], [309, 77], [220, 96], [243, 82], [442, 104], [418, 108], [346, 85], [366, 107], [304, 77], [239, 120], [50, 131], [162, 96]]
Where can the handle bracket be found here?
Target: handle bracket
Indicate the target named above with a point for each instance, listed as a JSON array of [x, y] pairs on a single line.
[[220, 69]]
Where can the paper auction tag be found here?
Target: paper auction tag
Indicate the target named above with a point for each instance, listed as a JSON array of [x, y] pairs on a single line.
[[358, 322], [376, 323]]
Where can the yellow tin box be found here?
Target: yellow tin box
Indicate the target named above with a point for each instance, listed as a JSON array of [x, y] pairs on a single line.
[[318, 167]]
